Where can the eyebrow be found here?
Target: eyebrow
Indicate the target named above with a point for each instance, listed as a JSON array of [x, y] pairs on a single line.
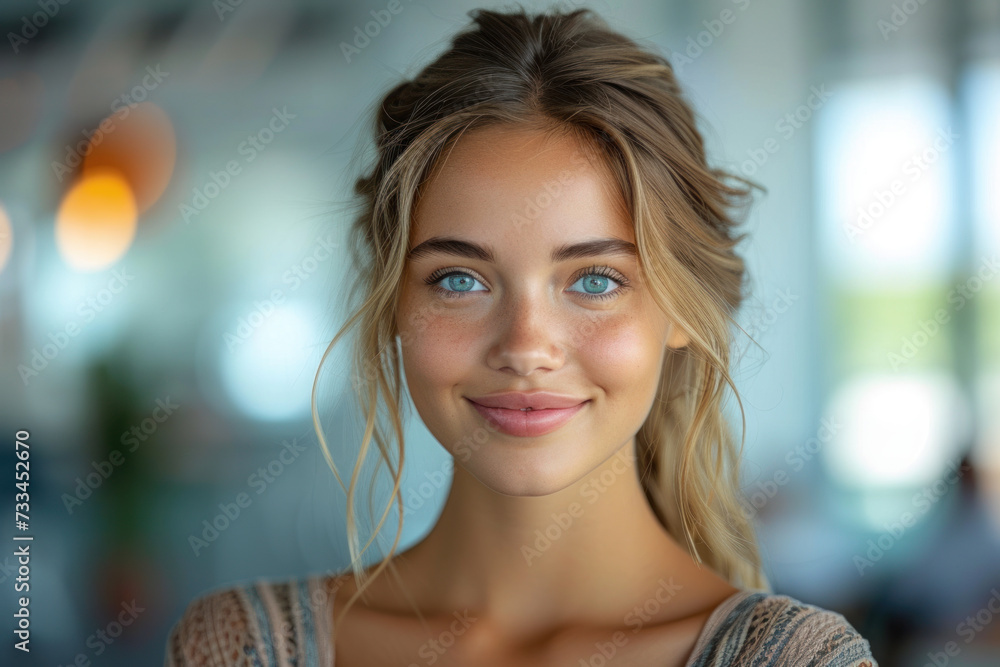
[[448, 245]]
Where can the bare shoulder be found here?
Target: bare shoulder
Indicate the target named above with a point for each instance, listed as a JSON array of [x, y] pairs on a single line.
[[377, 591], [671, 636]]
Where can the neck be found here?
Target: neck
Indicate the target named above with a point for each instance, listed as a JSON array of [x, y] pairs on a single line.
[[585, 554]]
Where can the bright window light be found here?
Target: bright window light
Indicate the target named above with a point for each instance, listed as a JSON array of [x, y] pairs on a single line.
[[898, 431], [982, 86], [883, 184], [268, 368]]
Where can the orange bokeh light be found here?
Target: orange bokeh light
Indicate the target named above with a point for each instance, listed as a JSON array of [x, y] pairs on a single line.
[[96, 221], [140, 143]]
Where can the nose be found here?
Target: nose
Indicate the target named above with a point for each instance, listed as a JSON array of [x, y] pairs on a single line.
[[526, 336]]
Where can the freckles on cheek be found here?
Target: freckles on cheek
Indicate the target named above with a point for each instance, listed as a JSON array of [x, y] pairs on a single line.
[[440, 350], [618, 353]]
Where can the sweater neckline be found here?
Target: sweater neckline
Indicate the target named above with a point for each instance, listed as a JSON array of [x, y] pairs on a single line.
[[713, 623], [324, 637]]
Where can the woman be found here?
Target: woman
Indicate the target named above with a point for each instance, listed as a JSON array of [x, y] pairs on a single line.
[[546, 255]]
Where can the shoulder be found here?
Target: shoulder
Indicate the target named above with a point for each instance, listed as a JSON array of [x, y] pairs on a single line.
[[778, 629], [254, 623]]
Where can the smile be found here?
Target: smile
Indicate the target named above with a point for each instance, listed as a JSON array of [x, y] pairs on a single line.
[[527, 422]]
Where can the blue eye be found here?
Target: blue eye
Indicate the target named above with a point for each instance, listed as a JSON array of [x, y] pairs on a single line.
[[594, 284], [596, 279], [452, 283], [455, 283]]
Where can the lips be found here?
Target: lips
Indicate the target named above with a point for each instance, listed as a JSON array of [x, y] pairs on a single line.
[[528, 415], [519, 400]]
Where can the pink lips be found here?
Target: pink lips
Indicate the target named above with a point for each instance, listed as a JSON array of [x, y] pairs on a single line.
[[527, 423]]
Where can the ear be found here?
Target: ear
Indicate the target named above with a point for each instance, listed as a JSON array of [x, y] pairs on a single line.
[[676, 337]]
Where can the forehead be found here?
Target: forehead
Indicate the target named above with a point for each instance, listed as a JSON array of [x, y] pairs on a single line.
[[523, 183]]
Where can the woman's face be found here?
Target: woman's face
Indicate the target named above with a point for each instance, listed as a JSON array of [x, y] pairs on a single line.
[[501, 297]]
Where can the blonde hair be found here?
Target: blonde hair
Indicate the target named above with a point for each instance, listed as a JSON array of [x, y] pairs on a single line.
[[571, 72]]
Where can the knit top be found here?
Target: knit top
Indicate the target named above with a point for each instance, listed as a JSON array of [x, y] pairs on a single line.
[[288, 623]]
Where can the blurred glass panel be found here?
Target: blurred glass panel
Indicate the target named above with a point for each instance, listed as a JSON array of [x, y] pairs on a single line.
[[981, 88], [884, 181], [883, 329], [885, 166], [982, 91]]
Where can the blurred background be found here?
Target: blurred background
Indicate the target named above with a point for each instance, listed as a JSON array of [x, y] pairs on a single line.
[[173, 187]]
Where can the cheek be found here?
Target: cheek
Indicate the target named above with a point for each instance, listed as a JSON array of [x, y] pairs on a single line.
[[438, 351], [621, 354], [436, 346]]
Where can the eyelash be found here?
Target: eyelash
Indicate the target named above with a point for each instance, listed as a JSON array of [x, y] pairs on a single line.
[[606, 271]]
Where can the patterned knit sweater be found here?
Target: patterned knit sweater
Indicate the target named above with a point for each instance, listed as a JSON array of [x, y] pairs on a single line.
[[287, 624]]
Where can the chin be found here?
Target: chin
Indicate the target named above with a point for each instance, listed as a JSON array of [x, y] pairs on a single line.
[[534, 472], [527, 487]]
